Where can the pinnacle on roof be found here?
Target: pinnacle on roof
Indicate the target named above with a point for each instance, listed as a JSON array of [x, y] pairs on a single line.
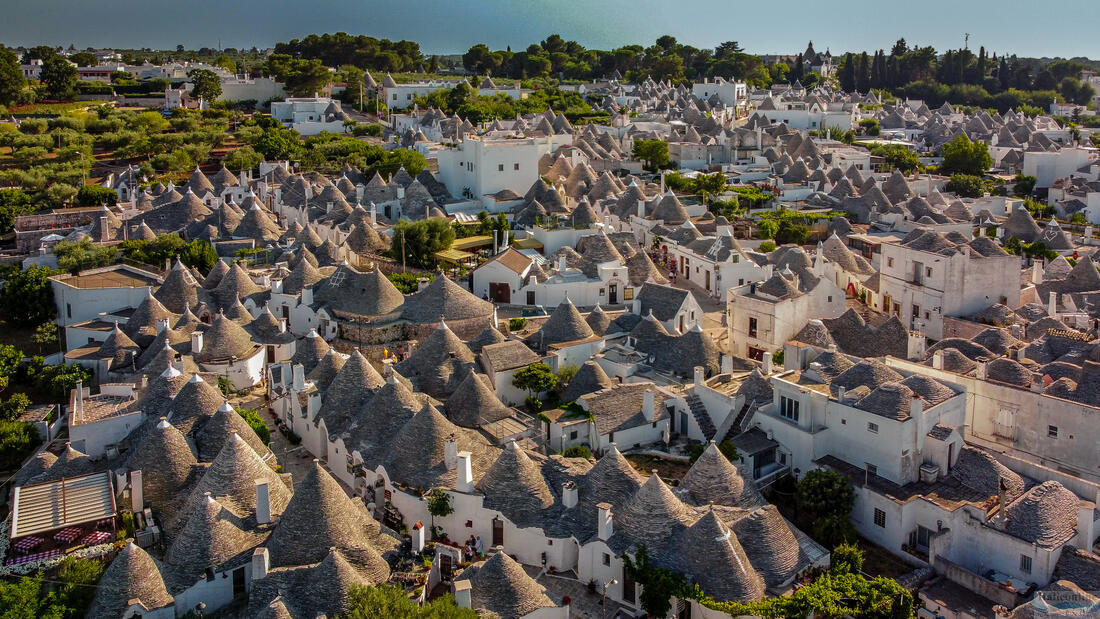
[[132, 575], [514, 485], [232, 478], [319, 517]]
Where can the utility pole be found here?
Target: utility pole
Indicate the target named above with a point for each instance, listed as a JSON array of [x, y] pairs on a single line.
[[402, 251], [966, 41]]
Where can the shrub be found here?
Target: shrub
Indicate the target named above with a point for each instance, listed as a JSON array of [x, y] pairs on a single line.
[[767, 247], [966, 185], [408, 283], [823, 493], [532, 403], [18, 440], [256, 423], [516, 324], [577, 451]]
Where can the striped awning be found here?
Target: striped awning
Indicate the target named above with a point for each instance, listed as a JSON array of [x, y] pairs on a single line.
[[49, 506]]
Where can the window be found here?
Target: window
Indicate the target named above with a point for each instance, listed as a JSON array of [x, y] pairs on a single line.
[[408, 97], [871, 469], [830, 298], [500, 167], [515, 166], [1025, 564], [752, 327], [889, 262], [788, 408], [928, 271], [606, 559], [395, 96], [880, 518], [1052, 431], [741, 282], [573, 435], [736, 258], [872, 427]]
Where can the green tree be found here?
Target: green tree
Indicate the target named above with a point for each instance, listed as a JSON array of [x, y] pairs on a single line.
[[12, 81], [388, 601], [18, 440], [83, 254], [14, 406], [84, 59], [966, 185], [60, 77], [96, 195], [846, 559], [708, 185], [243, 158], [45, 336], [821, 493], [415, 242], [199, 254], [279, 143], [791, 232], [659, 585], [577, 451], [897, 157], [225, 62], [961, 156], [26, 299], [439, 504], [535, 378], [13, 203], [10, 358], [653, 152], [77, 587], [254, 421], [1025, 184], [205, 84]]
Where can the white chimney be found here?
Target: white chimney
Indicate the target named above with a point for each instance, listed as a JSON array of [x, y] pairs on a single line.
[[79, 403], [937, 360], [463, 593], [373, 215], [641, 209], [263, 502], [840, 392], [299, 377], [162, 324], [699, 374], [464, 479], [450, 453], [767, 364], [1052, 304], [137, 495], [307, 296], [604, 526], [647, 405], [561, 264], [261, 561], [569, 494], [196, 342]]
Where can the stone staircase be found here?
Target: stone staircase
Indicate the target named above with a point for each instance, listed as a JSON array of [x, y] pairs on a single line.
[[702, 417]]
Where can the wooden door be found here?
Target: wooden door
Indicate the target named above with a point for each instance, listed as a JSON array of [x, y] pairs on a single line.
[[446, 566], [500, 292], [613, 293], [498, 532]]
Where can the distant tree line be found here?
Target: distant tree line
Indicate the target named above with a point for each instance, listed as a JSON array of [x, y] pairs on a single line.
[[963, 77]]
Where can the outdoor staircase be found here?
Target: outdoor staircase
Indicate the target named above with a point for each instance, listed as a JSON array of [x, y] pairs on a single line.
[[702, 417]]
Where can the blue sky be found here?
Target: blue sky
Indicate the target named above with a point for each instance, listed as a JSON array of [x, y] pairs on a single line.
[[449, 26]]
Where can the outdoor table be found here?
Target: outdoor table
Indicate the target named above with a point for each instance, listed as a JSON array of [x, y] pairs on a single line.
[[27, 544], [96, 537], [38, 556], [68, 535]]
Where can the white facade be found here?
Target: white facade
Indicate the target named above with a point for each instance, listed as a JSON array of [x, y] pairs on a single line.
[[477, 167], [923, 287], [309, 115]]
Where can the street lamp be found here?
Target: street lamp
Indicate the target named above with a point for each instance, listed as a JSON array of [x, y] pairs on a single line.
[[607, 584]]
